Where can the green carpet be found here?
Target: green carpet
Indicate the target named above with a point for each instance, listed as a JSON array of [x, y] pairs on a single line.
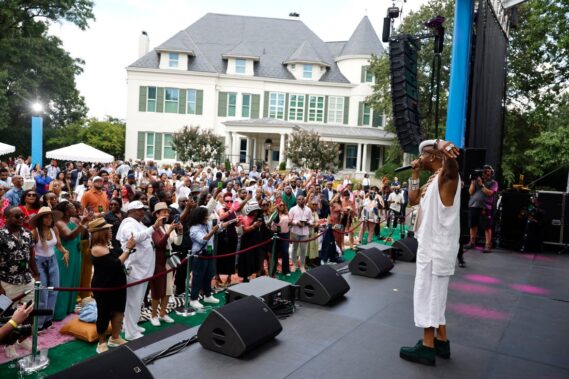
[[67, 354]]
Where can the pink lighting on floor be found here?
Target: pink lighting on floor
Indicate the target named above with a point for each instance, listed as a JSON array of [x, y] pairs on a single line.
[[477, 312], [532, 290], [483, 279], [472, 288], [536, 257]]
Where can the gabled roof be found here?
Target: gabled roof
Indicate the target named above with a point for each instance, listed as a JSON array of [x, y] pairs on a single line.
[[305, 53], [364, 41], [181, 42], [240, 51]]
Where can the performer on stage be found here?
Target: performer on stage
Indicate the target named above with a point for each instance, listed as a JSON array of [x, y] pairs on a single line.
[[437, 230]]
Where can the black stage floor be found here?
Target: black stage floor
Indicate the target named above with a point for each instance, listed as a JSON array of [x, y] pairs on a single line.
[[507, 317]]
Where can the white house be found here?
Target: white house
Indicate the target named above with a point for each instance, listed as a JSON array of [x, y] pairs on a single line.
[[255, 80]]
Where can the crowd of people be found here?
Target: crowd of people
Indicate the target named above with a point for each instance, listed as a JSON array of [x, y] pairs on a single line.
[[82, 225]]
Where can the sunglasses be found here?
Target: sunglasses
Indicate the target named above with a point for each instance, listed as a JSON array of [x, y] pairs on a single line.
[[229, 201], [31, 195]]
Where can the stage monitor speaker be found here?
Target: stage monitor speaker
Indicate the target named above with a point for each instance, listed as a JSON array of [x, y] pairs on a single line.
[[239, 327], [371, 263], [406, 249], [119, 363], [321, 285]]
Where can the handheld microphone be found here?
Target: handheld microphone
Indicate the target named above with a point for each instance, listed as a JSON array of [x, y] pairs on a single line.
[[403, 168]]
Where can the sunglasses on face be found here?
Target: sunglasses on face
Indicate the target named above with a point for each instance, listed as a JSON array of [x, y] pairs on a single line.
[[229, 201], [31, 195]]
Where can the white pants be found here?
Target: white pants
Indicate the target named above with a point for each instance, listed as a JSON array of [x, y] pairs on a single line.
[[429, 297], [134, 298]]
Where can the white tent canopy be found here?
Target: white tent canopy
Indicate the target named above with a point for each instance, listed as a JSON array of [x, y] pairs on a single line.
[[6, 149], [80, 152]]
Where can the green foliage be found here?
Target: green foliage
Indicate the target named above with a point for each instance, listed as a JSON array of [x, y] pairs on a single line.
[[388, 171], [197, 145], [306, 150], [282, 166], [107, 135], [227, 165], [34, 66]]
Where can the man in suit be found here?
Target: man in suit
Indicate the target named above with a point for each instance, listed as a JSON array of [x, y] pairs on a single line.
[[297, 189], [77, 174], [327, 194]]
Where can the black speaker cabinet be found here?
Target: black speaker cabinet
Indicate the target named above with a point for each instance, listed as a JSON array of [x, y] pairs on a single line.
[[406, 249], [119, 363], [239, 327], [512, 226], [322, 285], [553, 205], [371, 263]]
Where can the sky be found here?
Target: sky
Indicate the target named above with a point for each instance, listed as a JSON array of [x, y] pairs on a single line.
[[111, 42]]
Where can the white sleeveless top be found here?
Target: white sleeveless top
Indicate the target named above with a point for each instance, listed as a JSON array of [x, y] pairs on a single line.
[[45, 248], [439, 230]]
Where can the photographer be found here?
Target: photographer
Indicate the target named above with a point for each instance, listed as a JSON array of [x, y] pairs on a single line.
[[19, 316], [480, 205]]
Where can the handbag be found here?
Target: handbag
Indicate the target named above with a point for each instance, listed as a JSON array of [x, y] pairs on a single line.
[[172, 259]]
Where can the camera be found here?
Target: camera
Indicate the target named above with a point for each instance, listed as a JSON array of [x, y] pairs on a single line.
[[477, 173]]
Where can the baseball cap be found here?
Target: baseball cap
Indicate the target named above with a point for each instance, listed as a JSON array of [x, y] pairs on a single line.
[[95, 178], [135, 205]]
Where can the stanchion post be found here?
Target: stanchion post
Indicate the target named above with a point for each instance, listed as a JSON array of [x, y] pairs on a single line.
[[35, 361], [273, 266], [37, 285], [186, 310]]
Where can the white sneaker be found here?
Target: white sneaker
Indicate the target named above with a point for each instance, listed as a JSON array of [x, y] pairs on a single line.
[[167, 319], [154, 321], [211, 300], [196, 304], [141, 329], [134, 337], [11, 352]]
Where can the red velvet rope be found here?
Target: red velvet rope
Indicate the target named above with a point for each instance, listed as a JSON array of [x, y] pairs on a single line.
[[351, 230], [303, 241]]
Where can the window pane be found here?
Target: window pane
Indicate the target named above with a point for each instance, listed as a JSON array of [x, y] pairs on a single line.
[[307, 71], [191, 101], [316, 108], [152, 93], [151, 99], [246, 107], [173, 60], [367, 114], [336, 109], [231, 103], [149, 145], [171, 98], [169, 152], [276, 105], [351, 156], [150, 139], [239, 66], [151, 106]]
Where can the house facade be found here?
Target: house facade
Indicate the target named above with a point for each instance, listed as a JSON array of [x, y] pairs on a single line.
[[254, 81]]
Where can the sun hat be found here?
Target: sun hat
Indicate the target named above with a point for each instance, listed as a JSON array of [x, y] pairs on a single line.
[[160, 206], [42, 212], [98, 224]]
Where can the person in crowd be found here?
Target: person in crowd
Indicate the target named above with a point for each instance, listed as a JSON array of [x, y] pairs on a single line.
[[288, 197], [227, 241], [369, 216], [114, 217], [395, 200], [281, 226], [108, 273], [301, 221], [5, 179], [348, 211], [50, 200], [201, 233], [482, 190], [366, 182], [20, 315], [248, 263], [30, 205], [69, 228], [95, 199], [161, 287], [14, 195], [18, 268], [46, 239], [265, 251], [312, 250], [437, 231], [22, 168], [139, 265], [4, 204], [53, 169], [63, 180], [42, 182]]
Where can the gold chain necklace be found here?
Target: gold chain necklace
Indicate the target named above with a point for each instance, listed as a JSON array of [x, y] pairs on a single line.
[[429, 181]]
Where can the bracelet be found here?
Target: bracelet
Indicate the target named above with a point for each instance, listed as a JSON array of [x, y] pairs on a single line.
[[13, 323], [414, 181]]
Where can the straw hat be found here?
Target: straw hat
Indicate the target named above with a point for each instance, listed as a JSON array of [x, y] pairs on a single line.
[[42, 212], [160, 206], [252, 206], [98, 224]]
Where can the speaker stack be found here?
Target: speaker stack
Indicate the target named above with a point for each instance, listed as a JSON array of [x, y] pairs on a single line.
[[322, 285], [371, 263], [239, 327]]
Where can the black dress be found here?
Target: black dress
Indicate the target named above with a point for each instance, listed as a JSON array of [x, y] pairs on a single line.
[[248, 262], [226, 244], [108, 273]]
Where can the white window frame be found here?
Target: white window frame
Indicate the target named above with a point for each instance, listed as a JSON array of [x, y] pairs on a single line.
[[164, 146], [173, 60], [307, 70], [316, 114], [146, 145], [277, 105], [191, 102], [335, 109], [246, 106], [169, 102], [151, 100], [295, 111], [240, 68]]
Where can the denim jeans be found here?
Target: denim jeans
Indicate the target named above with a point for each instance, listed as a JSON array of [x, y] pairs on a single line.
[[49, 277], [203, 271], [282, 251]]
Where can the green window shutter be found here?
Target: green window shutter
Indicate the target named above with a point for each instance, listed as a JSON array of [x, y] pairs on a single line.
[[255, 104], [160, 99], [140, 147], [199, 101], [142, 98], [361, 114], [325, 109], [266, 105], [363, 76], [286, 107], [158, 146], [182, 101], [222, 104], [377, 118], [306, 101], [346, 110]]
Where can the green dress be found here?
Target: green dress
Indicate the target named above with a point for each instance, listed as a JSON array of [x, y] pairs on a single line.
[[69, 276]]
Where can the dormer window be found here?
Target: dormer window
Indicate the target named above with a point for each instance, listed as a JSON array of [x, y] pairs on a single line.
[[240, 65], [173, 60], [307, 71]]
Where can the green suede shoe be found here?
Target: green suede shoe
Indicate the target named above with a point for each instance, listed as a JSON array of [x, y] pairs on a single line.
[[442, 348], [419, 354]]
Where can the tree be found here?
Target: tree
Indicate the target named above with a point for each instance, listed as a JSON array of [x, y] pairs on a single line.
[[198, 145], [306, 150], [34, 66]]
